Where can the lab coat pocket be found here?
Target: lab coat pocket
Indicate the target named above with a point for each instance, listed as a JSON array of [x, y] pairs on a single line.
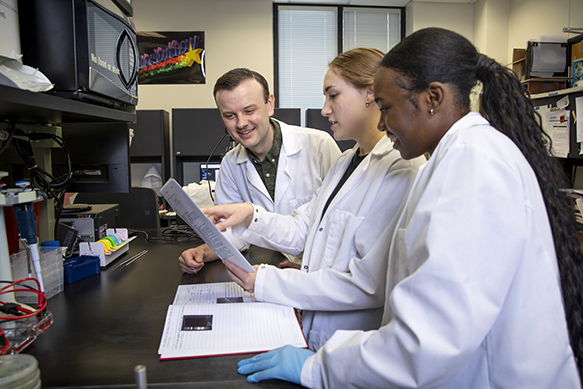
[[340, 241], [316, 340], [295, 203]]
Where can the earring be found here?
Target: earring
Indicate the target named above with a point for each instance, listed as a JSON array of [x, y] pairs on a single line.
[[367, 103], [431, 111]]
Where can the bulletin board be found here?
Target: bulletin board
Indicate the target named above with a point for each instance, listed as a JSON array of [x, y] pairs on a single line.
[[171, 57], [577, 64], [576, 60]]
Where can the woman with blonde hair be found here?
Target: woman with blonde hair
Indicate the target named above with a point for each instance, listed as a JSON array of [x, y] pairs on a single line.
[[344, 230]]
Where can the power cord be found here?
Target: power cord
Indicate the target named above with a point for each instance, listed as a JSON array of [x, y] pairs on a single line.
[[4, 343], [16, 311], [6, 136], [173, 234], [179, 234], [209, 160], [53, 187]]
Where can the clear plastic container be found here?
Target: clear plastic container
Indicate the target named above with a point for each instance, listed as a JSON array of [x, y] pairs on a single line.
[[19, 371], [51, 260]]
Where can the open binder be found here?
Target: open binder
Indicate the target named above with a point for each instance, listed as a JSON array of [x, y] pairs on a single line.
[[221, 318]]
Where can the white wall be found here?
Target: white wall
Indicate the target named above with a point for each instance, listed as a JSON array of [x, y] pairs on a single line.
[[456, 17], [529, 19], [238, 33], [491, 28], [496, 27]]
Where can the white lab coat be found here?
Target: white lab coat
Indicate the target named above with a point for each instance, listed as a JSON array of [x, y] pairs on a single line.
[[474, 297], [341, 284], [306, 156]]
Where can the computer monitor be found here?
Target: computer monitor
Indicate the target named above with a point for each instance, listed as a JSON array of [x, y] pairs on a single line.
[[289, 115], [314, 119], [209, 171]]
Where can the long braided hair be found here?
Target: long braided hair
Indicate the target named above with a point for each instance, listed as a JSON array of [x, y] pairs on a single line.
[[507, 106]]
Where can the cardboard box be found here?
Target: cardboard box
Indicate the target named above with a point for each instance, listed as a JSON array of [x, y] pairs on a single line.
[[518, 63], [543, 85]]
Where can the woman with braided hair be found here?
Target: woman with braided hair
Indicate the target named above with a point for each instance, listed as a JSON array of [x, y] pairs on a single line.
[[484, 285]]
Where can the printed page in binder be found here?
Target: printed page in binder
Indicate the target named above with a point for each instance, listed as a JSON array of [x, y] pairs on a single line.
[[221, 318]]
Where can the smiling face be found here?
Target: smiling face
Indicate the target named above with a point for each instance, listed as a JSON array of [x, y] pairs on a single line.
[[345, 106], [246, 116], [405, 119]]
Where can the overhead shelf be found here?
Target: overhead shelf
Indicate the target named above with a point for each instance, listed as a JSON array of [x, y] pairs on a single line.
[[558, 92], [22, 106]]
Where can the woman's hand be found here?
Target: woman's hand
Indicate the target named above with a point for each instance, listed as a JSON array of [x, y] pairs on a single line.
[[283, 363], [241, 277], [228, 215]]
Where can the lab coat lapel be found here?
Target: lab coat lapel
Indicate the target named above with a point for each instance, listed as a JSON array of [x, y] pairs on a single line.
[[252, 177], [358, 174], [352, 182], [290, 148]]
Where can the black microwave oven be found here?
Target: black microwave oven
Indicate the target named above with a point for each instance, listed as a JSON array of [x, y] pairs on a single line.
[[87, 51]]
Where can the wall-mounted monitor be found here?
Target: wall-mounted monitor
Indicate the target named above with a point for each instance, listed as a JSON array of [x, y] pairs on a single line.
[[291, 116], [314, 119], [197, 131]]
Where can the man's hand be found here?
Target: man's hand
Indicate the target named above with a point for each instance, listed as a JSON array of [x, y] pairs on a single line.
[[233, 214], [290, 265], [192, 260], [241, 277]]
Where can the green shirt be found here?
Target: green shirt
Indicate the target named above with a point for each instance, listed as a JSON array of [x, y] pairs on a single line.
[[267, 168]]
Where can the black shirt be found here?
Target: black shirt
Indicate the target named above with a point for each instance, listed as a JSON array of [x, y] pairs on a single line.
[[356, 160], [267, 168]]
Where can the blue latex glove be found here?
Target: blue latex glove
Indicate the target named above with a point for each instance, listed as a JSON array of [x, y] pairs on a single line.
[[283, 363]]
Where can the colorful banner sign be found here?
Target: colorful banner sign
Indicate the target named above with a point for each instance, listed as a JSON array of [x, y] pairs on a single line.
[[171, 58]]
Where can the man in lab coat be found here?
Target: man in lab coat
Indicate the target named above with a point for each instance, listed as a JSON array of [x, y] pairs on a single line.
[[275, 165]]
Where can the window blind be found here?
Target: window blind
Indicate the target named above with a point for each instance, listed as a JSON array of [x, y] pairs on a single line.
[[371, 27], [308, 41]]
